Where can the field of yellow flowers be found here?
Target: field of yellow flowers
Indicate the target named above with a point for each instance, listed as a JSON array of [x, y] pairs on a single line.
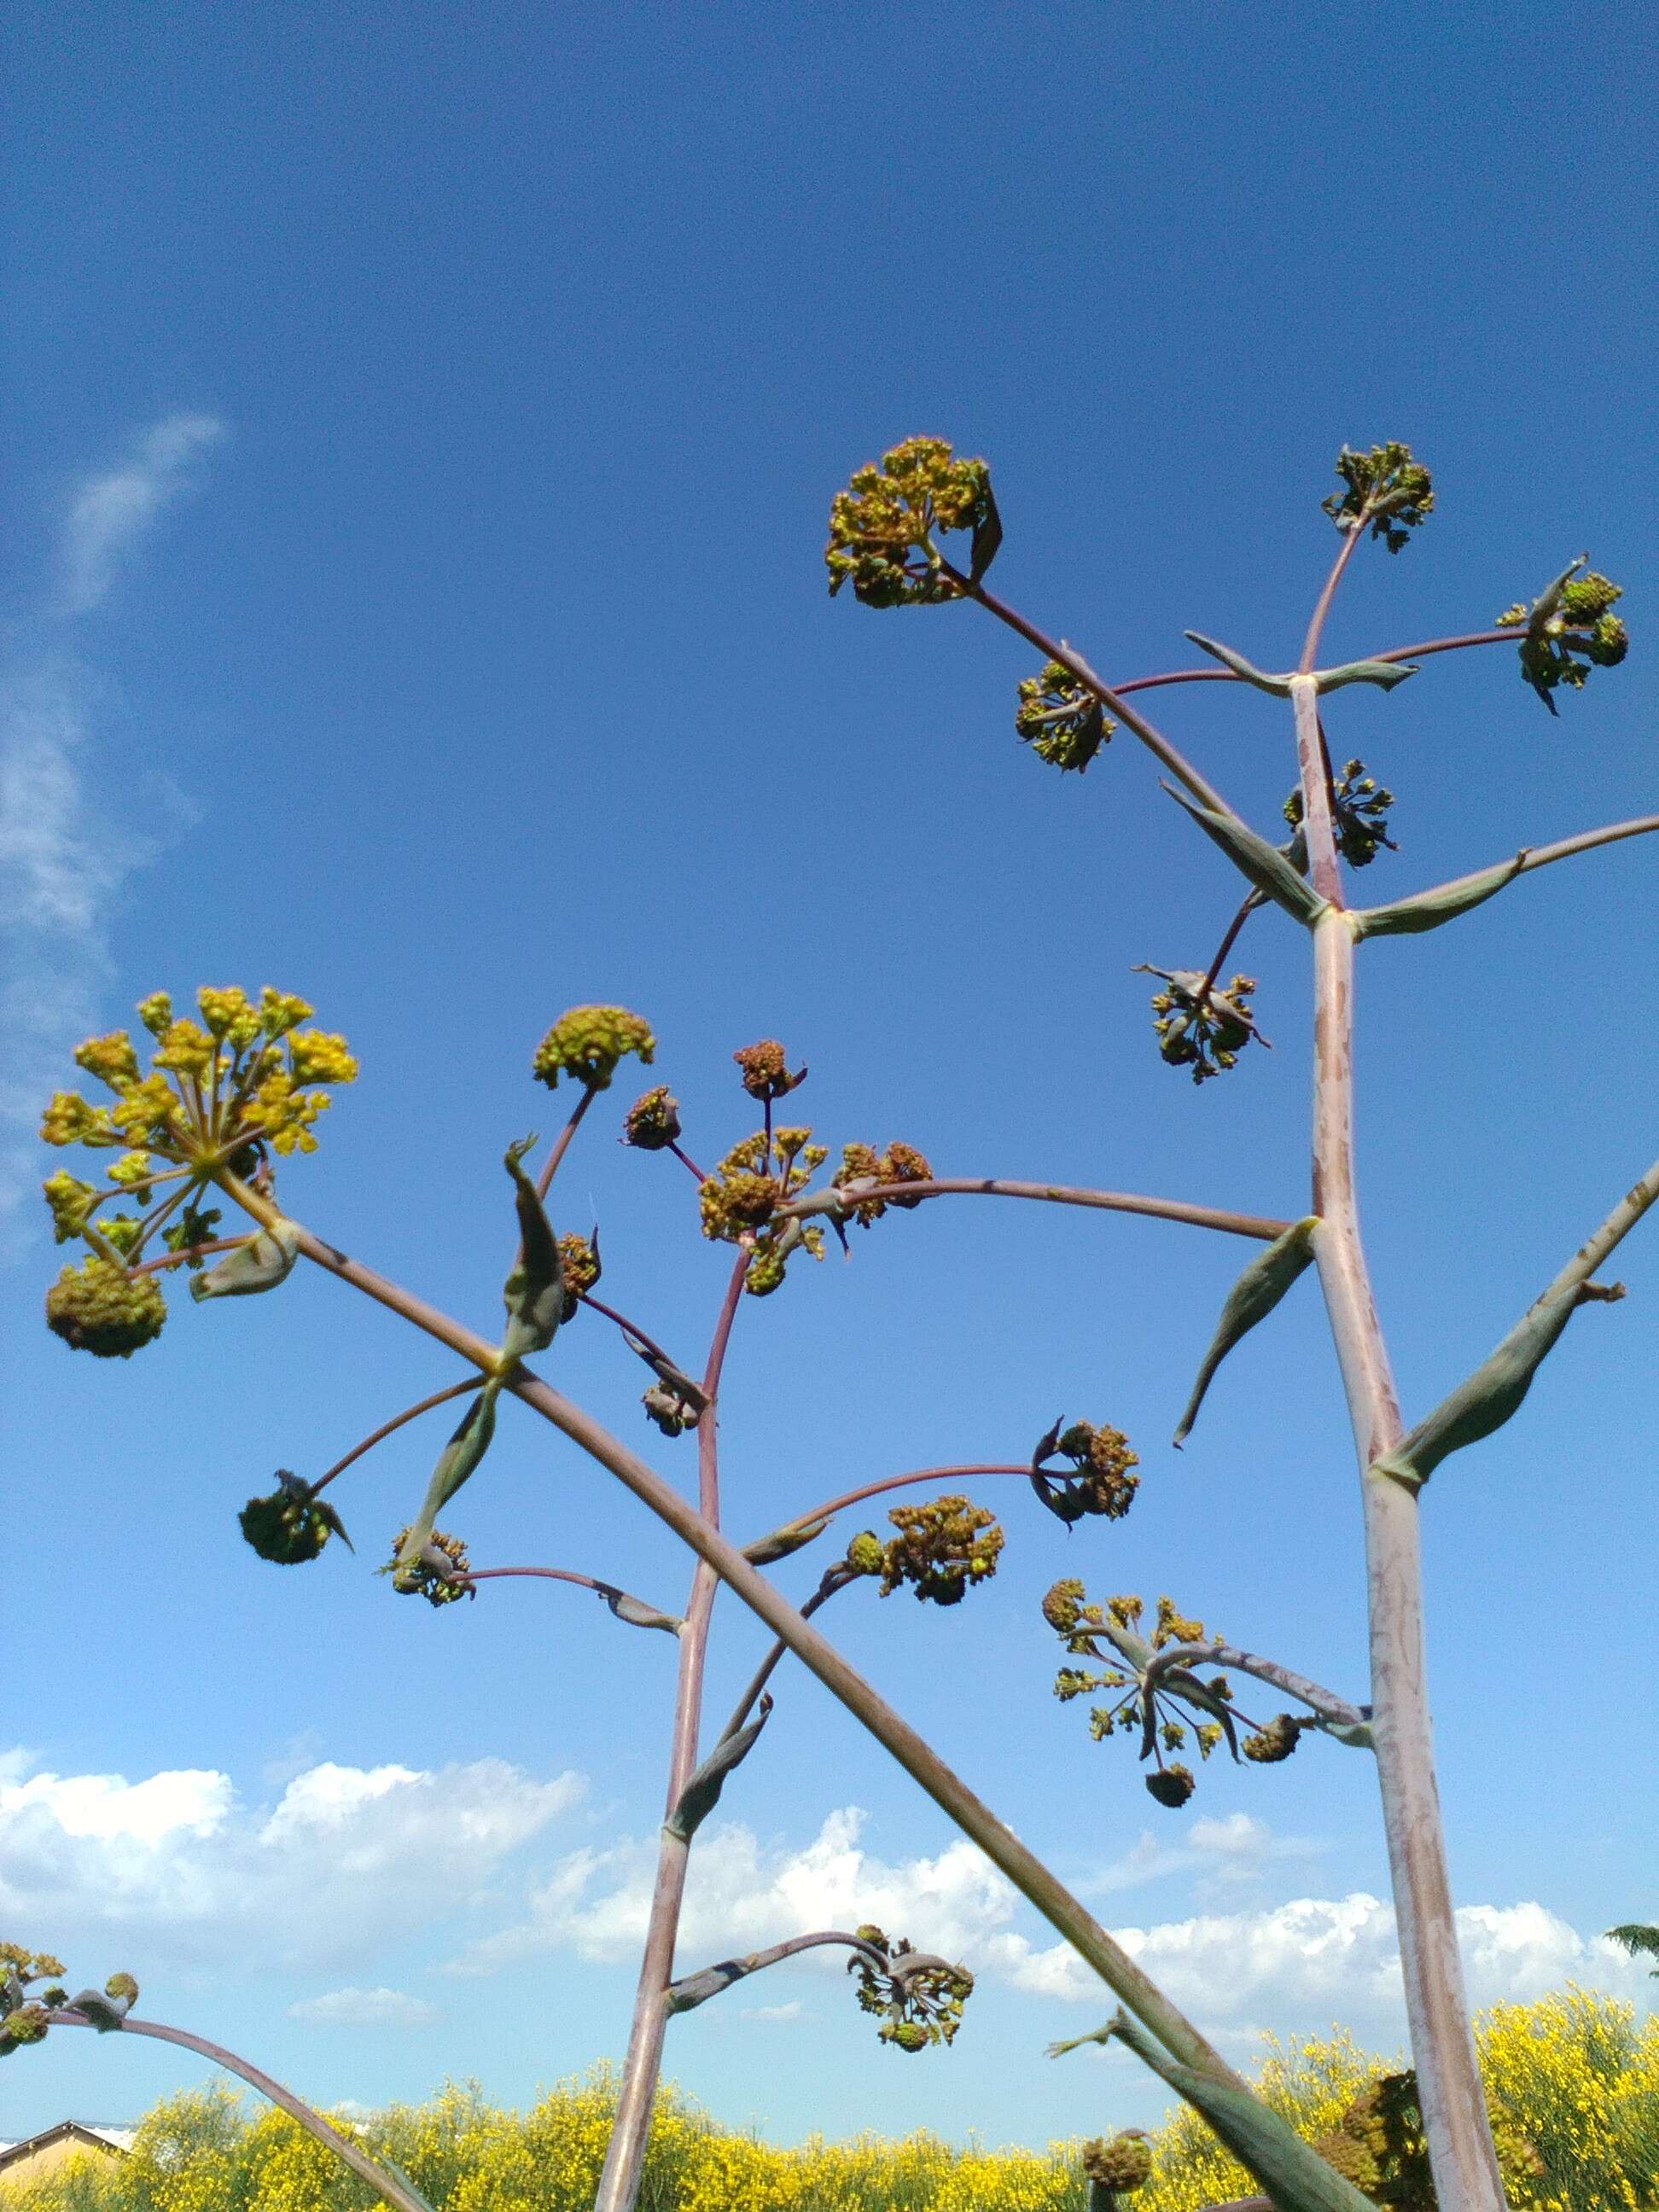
[[1574, 2085]]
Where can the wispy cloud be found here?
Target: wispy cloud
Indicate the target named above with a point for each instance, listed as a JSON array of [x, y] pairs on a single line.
[[109, 512], [64, 858], [365, 2008]]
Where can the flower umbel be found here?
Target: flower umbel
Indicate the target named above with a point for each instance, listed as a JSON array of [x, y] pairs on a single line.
[[1385, 489], [941, 1549], [220, 1096], [1205, 1030], [1570, 629], [882, 526], [586, 1042], [899, 1164], [919, 1998], [1063, 724], [1100, 1483], [99, 1308], [1360, 814]]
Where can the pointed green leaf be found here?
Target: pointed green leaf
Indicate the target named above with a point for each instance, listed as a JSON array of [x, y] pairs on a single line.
[[1264, 865], [1357, 1735], [1278, 686], [987, 535], [534, 1292], [1492, 1394], [1385, 674], [264, 1260], [1251, 1299], [1428, 909], [457, 1461], [1291, 2171], [702, 1793]]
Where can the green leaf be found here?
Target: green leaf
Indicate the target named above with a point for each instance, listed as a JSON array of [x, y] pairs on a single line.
[[783, 1541], [534, 1293], [1385, 674], [264, 1260], [457, 1460], [1428, 909], [1251, 1299], [1291, 2171], [1278, 686], [1495, 1390], [702, 1792], [987, 535], [1265, 865]]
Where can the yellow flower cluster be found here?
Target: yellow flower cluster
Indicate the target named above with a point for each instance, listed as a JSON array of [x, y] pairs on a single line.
[[1572, 2077], [245, 1080]]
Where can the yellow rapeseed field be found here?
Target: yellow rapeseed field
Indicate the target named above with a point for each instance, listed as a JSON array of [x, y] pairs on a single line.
[[1573, 2080]]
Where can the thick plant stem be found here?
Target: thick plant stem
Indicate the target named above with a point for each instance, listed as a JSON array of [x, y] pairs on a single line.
[[1063, 1912], [385, 2186], [1453, 2104], [625, 2157]]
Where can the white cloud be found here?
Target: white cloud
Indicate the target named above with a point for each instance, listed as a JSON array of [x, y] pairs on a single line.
[[793, 2010], [64, 857], [1316, 1958], [109, 512], [346, 1860], [1299, 1964], [741, 1895], [380, 2008]]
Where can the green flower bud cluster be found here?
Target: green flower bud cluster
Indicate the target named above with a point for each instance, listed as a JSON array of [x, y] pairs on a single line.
[[291, 1526], [1268, 1746], [881, 526], [866, 1554], [1102, 1484], [1570, 629], [1199, 1029], [670, 1409], [941, 1549], [98, 1308], [1063, 723], [1385, 487], [1122, 2162], [439, 1575], [1359, 815], [765, 1076], [739, 1202], [917, 2007], [900, 1163], [579, 1265], [220, 1093], [586, 1042], [653, 1121], [1171, 1785], [25, 2019]]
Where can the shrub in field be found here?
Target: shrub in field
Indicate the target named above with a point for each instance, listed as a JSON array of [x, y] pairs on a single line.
[[1572, 2082], [196, 1131]]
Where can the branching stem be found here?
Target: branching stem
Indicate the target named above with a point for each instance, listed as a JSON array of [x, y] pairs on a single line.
[[841, 1199], [1324, 1702]]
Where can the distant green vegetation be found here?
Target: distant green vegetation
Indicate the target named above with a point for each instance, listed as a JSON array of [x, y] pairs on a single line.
[[1574, 2084]]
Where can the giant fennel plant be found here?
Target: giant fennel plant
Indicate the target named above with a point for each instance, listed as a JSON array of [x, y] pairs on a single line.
[[203, 1139]]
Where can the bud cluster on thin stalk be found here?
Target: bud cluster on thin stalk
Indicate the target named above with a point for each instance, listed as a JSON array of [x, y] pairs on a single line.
[[228, 1098]]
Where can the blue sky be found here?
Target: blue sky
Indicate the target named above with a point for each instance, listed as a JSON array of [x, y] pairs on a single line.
[[421, 424]]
